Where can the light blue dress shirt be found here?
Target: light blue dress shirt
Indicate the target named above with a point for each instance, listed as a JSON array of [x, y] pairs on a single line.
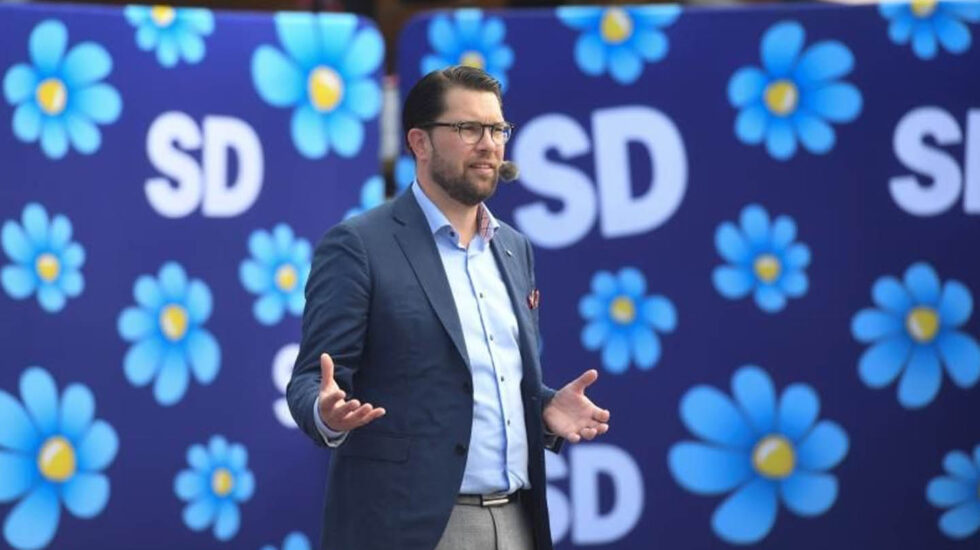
[[497, 457]]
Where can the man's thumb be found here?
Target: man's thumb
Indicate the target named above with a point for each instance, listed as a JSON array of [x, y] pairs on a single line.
[[326, 370], [585, 380]]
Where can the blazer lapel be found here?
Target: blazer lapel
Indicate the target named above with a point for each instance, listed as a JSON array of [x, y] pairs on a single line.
[[418, 245]]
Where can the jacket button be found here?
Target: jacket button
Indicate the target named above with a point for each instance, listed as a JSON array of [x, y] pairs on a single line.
[[460, 449]]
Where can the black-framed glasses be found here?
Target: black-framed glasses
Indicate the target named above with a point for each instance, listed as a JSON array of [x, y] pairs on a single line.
[[471, 132]]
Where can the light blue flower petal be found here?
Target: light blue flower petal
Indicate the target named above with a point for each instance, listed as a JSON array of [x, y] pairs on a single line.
[[54, 139], [431, 63], [269, 309], [204, 355], [660, 313], [468, 23], [77, 411], [756, 397], [244, 486], [783, 231], [200, 20], [781, 45], [731, 244], [755, 224], [706, 469], [296, 541], [594, 334], [60, 232], [780, 139], [751, 124], [962, 521], [955, 304], [645, 346], [798, 410], [747, 515], [262, 247], [839, 102], [732, 282], [881, 363], [769, 299], [334, 34], [40, 397], [191, 48], [364, 54], [924, 41], [809, 494], [824, 61], [147, 293], [198, 458], [33, 522], [872, 324], [797, 256], [301, 250], [616, 353], [891, 295], [823, 447], [198, 301], [100, 102], [794, 284], [624, 65], [218, 447], [967, 11], [171, 383], [19, 83], [237, 457], [442, 36], [98, 448], [189, 485], [921, 380], [51, 298], [746, 86], [659, 15], [604, 284], [710, 414], [493, 32], [282, 237], [590, 54], [17, 475], [73, 257], [900, 30], [15, 243], [651, 44], [27, 122], [276, 78], [255, 277], [142, 361], [200, 513], [17, 432], [346, 133], [944, 492], [579, 17], [135, 324], [85, 495], [226, 525], [404, 172], [363, 98], [958, 464], [309, 134], [47, 45], [86, 63], [816, 135], [297, 302], [298, 34], [961, 355], [173, 281], [147, 37], [136, 14], [923, 283], [35, 222], [631, 282], [18, 281]]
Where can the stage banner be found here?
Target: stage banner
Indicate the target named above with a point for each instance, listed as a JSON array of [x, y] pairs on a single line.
[[760, 226], [164, 176]]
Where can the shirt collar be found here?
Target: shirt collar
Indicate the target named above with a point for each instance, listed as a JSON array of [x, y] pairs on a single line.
[[487, 225]]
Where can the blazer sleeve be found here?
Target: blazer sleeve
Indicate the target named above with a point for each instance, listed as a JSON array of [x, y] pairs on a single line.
[[338, 298]]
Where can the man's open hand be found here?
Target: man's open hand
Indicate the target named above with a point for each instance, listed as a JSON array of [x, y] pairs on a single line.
[[337, 414], [571, 414]]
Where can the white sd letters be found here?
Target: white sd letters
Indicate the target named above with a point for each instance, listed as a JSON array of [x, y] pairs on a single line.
[[171, 135]]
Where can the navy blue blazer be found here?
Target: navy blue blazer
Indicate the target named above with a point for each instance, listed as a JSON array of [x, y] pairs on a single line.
[[379, 302]]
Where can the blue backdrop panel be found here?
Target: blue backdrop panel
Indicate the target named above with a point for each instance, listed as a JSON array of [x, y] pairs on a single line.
[[760, 226], [165, 174]]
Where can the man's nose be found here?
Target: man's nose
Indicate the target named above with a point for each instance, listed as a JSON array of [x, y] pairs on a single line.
[[486, 140]]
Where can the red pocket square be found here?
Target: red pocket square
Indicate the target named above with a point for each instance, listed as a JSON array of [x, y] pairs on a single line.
[[533, 299]]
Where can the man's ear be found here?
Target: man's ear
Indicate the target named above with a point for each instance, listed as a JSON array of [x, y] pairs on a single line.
[[418, 141]]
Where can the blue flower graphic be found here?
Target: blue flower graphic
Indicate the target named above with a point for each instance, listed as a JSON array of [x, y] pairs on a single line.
[[293, 541], [763, 259], [167, 332], [619, 39], [216, 483], [372, 194], [59, 98], [913, 328], [404, 172], [46, 260], [960, 492], [175, 33], [795, 95], [927, 23], [623, 321], [52, 451], [761, 449], [325, 76], [469, 39], [277, 272]]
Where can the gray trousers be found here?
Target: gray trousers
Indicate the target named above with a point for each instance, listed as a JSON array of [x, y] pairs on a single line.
[[493, 528]]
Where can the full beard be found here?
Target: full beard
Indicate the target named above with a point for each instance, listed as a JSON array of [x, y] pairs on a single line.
[[464, 190]]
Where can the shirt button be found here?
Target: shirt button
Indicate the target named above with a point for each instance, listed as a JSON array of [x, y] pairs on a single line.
[[501, 378], [491, 337], [481, 295], [508, 422], [460, 449]]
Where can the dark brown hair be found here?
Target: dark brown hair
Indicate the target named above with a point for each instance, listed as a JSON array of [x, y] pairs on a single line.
[[426, 100]]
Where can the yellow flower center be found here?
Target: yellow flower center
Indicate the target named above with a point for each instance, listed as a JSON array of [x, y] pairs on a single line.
[[173, 322], [222, 482], [922, 323], [52, 96], [616, 26], [774, 457], [622, 310], [923, 8], [47, 267], [286, 277], [781, 97], [325, 88], [56, 460], [767, 267], [473, 59], [163, 15]]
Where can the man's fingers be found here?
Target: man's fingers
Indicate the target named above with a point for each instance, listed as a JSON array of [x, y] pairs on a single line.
[[601, 415], [573, 437], [326, 370], [585, 380], [331, 399], [588, 433], [362, 415], [602, 428]]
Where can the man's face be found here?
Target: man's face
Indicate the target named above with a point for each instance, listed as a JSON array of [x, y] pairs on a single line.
[[468, 173]]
